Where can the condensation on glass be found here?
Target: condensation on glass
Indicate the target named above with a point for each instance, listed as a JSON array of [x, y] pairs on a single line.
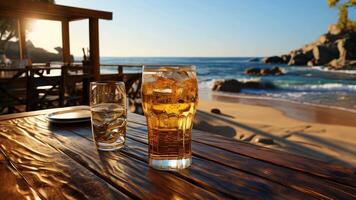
[[170, 97]]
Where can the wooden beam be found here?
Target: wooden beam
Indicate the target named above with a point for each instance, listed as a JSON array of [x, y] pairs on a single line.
[[22, 38], [94, 47], [65, 42], [29, 9]]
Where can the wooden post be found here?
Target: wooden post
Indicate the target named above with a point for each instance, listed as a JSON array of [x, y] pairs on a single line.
[[22, 38], [120, 72], [65, 42], [94, 47]]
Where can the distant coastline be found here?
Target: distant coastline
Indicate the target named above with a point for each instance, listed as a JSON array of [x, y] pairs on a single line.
[[303, 84]]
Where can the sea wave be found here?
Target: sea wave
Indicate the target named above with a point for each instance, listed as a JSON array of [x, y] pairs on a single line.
[[320, 87], [320, 68], [210, 82]]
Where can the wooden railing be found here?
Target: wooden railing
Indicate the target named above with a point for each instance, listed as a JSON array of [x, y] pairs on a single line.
[[41, 86]]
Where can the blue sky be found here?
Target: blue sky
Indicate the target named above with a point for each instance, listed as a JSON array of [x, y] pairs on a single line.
[[196, 27]]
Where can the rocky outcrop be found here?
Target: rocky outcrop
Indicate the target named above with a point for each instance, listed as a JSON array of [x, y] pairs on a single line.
[[233, 85], [275, 71], [273, 59], [230, 85], [336, 49], [38, 55]]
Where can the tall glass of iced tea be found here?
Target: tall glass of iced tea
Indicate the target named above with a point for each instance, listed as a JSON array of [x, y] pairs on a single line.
[[170, 97]]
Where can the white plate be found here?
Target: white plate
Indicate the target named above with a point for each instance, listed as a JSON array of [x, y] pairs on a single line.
[[70, 116]]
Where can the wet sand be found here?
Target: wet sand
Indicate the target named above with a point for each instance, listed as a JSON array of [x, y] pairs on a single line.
[[304, 112], [317, 132]]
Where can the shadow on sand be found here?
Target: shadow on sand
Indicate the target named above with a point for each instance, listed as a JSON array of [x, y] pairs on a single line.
[[290, 146]]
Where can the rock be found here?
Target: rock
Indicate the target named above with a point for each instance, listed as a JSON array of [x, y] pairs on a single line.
[[323, 55], [334, 29], [215, 111], [311, 63], [285, 58], [335, 49], [347, 47], [263, 140], [336, 64], [307, 48], [300, 58], [230, 85], [323, 39], [273, 60], [37, 54], [233, 85], [263, 71], [347, 52], [342, 64], [253, 71], [276, 71], [254, 60]]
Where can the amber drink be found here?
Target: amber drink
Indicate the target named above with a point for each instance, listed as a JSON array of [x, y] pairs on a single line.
[[170, 97]]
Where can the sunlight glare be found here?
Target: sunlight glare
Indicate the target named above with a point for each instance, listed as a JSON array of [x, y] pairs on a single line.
[[45, 34]]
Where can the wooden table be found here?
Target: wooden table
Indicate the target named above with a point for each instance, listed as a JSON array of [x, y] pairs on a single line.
[[47, 161]]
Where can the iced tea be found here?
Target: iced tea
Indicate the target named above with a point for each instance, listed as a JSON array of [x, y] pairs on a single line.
[[170, 96]]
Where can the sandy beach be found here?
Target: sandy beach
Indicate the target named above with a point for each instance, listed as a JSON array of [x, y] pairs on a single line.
[[321, 133]]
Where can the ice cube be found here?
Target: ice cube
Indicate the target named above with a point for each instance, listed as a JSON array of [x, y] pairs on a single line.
[[149, 78], [177, 76]]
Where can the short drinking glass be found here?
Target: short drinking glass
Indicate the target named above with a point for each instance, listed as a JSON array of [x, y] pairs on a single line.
[[170, 97], [108, 114]]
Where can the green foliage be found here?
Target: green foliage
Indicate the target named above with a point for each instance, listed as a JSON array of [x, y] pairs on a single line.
[[344, 23], [332, 3], [8, 28]]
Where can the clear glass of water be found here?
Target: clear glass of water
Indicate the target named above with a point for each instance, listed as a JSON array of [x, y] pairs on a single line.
[[108, 114]]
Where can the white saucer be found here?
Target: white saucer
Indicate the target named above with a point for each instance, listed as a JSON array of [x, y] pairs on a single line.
[[70, 116]]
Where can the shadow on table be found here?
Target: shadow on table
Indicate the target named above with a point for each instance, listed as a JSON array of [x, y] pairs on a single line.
[[289, 146]]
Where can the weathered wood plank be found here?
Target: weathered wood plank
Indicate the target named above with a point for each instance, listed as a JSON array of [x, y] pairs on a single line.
[[49, 172], [335, 173], [211, 175], [2, 158], [38, 112], [16, 8], [13, 185], [129, 174], [297, 180]]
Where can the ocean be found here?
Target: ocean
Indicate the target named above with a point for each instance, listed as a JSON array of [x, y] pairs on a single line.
[[301, 84]]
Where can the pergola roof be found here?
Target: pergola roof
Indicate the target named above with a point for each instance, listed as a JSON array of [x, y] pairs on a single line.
[[28, 9]]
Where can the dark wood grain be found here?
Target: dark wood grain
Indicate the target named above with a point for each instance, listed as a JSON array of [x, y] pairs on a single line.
[[18, 8], [13, 186], [128, 174], [297, 180], [49, 172], [332, 172], [2, 158], [35, 113], [208, 174]]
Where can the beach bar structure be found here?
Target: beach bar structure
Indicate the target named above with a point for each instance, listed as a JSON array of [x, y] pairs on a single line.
[[23, 9]]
